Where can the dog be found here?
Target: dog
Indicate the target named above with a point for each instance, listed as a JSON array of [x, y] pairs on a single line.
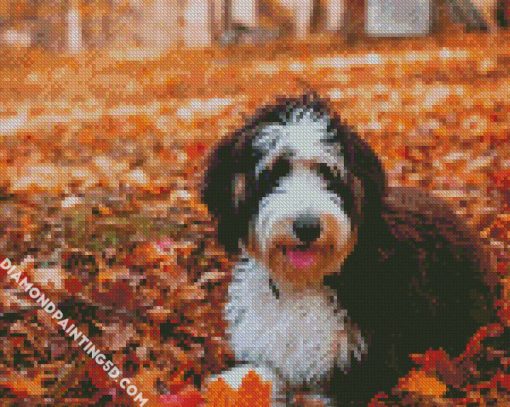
[[340, 277]]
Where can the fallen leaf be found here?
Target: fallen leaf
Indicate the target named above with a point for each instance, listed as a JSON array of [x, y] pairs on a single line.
[[417, 381]]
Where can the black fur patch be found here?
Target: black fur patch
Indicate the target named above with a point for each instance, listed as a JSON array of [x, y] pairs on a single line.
[[417, 277]]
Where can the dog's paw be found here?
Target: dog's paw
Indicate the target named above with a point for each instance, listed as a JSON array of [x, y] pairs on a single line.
[[234, 377]]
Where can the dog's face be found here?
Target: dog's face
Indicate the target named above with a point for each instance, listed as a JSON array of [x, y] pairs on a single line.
[[294, 186], [303, 228]]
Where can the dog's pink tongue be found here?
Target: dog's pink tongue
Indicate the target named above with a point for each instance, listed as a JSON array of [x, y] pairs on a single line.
[[301, 258]]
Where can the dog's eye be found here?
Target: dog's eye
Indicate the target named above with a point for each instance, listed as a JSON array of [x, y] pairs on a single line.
[[336, 183], [329, 174], [271, 178], [282, 166]]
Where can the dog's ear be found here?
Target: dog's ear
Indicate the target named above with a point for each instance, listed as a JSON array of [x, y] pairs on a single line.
[[220, 191], [364, 164]]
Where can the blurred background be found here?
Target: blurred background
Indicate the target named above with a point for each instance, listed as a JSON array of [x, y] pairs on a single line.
[[76, 25], [107, 111]]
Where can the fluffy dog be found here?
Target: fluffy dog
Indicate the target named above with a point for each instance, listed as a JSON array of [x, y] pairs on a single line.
[[340, 278]]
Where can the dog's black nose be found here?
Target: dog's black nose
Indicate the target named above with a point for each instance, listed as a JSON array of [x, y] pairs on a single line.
[[307, 228]]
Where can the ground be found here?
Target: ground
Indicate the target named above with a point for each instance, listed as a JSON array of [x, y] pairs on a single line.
[[101, 158]]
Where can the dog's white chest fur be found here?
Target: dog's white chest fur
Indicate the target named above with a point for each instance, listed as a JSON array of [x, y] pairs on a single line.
[[302, 336]]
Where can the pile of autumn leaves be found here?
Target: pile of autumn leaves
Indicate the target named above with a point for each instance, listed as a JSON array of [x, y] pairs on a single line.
[[189, 277]]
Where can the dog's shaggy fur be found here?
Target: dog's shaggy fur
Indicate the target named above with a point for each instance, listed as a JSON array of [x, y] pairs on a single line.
[[341, 278]]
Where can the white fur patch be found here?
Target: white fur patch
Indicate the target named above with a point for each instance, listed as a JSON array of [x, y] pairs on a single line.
[[305, 136], [302, 336]]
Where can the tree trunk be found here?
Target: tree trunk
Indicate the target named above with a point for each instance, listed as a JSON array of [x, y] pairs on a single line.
[[335, 15], [488, 9], [74, 28], [303, 10], [198, 24], [245, 13]]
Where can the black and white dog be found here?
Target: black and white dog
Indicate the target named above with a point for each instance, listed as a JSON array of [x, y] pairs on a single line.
[[340, 278]]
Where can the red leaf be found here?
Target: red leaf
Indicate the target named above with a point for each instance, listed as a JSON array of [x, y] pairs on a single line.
[[98, 376], [434, 358], [120, 295], [195, 150], [73, 285], [377, 400], [504, 381], [501, 179], [475, 343], [503, 267], [191, 399]]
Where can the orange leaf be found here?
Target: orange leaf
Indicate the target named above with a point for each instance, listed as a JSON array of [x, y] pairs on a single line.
[[419, 382], [220, 394], [22, 385], [253, 392]]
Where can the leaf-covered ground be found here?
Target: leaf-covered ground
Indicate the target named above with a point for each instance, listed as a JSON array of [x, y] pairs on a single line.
[[100, 162]]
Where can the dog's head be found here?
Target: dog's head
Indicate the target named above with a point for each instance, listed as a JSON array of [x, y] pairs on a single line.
[[296, 187]]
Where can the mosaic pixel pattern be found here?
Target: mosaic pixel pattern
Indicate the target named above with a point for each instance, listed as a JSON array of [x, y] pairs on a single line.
[[254, 203]]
